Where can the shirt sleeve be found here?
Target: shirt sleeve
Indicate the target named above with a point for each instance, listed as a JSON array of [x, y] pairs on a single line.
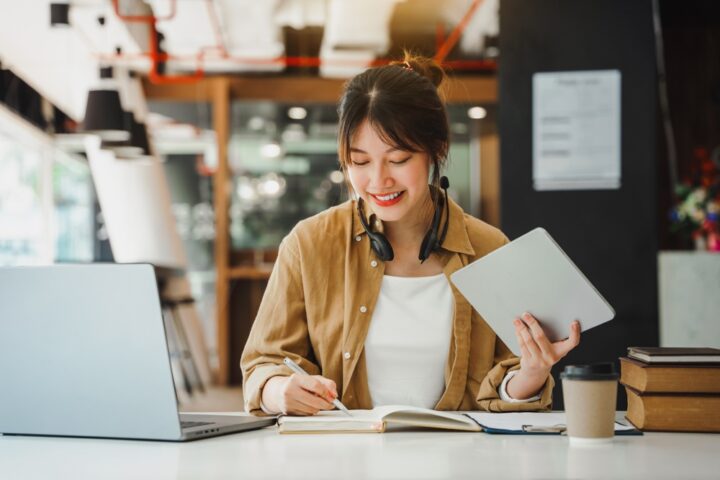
[[505, 396], [487, 394], [280, 329]]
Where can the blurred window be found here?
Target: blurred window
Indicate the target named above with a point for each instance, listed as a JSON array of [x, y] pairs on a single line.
[[46, 198], [73, 209], [24, 202]]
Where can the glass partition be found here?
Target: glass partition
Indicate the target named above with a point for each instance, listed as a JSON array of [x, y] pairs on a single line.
[[46, 198], [73, 198], [285, 168], [24, 201]]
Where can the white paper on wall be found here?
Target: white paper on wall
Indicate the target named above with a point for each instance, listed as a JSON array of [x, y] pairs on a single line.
[[576, 130]]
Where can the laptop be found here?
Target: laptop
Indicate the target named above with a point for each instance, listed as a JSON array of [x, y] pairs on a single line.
[[83, 353], [531, 274]]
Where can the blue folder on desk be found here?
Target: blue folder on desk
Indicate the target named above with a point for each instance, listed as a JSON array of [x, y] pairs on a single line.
[[533, 423]]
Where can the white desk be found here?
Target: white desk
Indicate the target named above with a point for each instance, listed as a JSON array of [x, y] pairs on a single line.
[[394, 455]]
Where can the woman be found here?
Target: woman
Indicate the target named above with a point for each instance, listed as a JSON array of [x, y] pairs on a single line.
[[360, 296]]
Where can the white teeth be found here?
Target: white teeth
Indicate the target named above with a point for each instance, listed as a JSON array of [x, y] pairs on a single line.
[[388, 197]]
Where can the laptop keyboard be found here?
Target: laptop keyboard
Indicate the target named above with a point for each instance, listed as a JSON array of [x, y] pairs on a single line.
[[187, 424]]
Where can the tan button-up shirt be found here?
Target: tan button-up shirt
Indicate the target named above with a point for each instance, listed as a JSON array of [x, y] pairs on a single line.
[[320, 299]]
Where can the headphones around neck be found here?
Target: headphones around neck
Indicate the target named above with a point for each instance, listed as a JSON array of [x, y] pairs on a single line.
[[432, 241]]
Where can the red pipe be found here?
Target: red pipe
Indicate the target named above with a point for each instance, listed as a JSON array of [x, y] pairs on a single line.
[[457, 31], [439, 35], [296, 61], [156, 77], [484, 65], [155, 56]]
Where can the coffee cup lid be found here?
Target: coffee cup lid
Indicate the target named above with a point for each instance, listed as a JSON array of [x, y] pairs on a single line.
[[594, 371]]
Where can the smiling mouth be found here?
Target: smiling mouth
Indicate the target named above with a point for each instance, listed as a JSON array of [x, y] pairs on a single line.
[[388, 199]]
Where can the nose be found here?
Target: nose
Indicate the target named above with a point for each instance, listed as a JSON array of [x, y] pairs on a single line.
[[381, 176]]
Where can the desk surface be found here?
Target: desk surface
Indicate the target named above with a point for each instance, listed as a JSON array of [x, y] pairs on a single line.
[[393, 455]]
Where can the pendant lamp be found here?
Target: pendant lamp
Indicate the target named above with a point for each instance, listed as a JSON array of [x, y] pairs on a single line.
[[103, 112], [139, 137], [59, 14]]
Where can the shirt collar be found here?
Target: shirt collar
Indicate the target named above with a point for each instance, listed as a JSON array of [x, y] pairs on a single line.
[[457, 239]]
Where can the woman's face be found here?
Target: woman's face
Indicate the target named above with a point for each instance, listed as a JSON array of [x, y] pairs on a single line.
[[394, 182]]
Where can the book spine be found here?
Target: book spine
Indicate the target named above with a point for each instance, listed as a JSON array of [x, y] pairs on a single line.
[[670, 379], [677, 413]]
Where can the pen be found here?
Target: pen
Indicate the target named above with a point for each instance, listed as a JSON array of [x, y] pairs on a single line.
[[297, 369]]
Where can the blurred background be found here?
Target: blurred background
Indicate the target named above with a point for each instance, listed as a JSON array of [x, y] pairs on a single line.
[[194, 134]]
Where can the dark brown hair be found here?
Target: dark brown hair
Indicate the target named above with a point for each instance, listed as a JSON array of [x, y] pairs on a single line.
[[402, 104]]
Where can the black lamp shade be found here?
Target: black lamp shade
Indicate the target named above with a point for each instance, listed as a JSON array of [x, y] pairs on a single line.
[[59, 14], [104, 116], [139, 137], [136, 146]]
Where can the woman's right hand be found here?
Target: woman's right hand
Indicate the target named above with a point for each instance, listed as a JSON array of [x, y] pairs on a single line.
[[299, 394]]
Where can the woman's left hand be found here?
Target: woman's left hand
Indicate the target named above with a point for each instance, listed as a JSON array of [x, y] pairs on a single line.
[[538, 354]]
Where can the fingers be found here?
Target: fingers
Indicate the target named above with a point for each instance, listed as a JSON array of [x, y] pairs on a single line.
[[524, 352], [532, 349], [572, 341], [538, 335], [532, 337], [310, 403], [329, 385], [317, 385], [307, 395]]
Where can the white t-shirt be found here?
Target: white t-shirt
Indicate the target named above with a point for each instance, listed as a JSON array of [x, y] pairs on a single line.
[[408, 342]]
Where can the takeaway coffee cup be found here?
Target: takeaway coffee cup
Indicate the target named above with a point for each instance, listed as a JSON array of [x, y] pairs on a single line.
[[590, 392]]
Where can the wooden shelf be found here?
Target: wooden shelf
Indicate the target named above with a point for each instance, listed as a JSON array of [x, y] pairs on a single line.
[[250, 272], [459, 89]]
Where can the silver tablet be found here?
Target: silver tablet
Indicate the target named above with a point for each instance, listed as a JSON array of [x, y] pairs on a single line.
[[531, 274]]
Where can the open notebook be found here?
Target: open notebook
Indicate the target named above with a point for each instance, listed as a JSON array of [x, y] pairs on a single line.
[[377, 419]]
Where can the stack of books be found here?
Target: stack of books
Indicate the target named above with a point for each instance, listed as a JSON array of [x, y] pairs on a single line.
[[672, 389]]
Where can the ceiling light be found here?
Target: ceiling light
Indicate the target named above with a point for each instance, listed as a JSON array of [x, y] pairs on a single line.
[[103, 111], [297, 113], [136, 146], [336, 176], [477, 113], [271, 185], [246, 189], [59, 14], [256, 123], [271, 150], [459, 128], [139, 135], [104, 116], [294, 132]]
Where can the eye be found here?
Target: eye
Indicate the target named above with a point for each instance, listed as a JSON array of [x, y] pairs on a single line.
[[400, 162], [359, 163]]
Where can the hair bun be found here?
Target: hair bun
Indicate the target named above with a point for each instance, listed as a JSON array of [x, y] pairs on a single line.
[[424, 66]]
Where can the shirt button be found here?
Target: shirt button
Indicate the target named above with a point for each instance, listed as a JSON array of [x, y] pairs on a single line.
[[373, 264], [363, 308], [358, 238], [347, 355]]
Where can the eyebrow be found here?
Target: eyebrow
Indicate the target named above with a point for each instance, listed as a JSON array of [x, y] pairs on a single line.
[[358, 150]]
